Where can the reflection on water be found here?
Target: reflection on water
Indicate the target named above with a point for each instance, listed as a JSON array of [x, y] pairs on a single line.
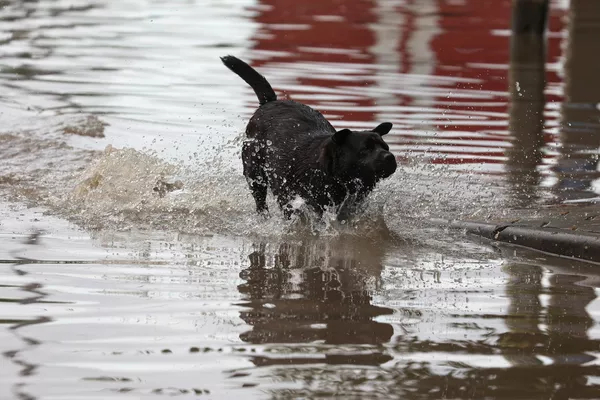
[[436, 69], [526, 122], [342, 316], [316, 292], [312, 304], [548, 325], [577, 166]]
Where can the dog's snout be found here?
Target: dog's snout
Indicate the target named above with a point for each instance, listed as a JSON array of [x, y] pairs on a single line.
[[389, 159], [388, 164]]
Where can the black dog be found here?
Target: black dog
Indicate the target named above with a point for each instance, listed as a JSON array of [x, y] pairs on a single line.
[[294, 150]]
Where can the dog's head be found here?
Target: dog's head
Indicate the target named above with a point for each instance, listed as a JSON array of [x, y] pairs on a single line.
[[363, 155]]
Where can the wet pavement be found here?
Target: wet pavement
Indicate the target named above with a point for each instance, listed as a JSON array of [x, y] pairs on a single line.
[[566, 231]]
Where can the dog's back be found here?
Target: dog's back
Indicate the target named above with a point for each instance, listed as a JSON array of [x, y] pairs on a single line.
[[287, 118]]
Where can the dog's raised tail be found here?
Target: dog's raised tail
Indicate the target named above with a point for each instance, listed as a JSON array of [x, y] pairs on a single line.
[[257, 82]]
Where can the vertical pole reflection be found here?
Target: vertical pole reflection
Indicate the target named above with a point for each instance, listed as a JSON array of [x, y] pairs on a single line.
[[524, 313], [526, 88], [569, 345], [547, 341], [577, 165]]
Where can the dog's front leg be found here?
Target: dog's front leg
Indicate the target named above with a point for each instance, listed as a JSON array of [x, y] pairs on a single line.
[[253, 158], [284, 199]]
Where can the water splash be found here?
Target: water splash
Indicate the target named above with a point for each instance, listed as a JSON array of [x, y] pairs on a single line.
[[125, 189]]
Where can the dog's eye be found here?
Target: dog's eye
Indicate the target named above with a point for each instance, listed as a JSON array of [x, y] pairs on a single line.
[[368, 147]]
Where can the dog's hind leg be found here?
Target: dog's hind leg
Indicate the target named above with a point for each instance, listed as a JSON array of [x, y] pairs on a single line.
[[253, 158]]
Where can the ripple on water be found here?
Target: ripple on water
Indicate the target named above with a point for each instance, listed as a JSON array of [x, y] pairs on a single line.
[[290, 314]]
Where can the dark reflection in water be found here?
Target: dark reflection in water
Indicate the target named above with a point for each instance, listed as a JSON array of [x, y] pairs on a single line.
[[547, 345], [577, 164], [35, 294], [310, 303], [23, 40], [316, 291], [555, 329], [526, 120]]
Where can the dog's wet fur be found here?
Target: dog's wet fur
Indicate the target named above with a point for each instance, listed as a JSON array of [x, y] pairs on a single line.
[[295, 151]]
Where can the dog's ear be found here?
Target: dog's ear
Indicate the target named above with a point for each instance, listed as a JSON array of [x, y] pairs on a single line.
[[384, 128], [339, 137]]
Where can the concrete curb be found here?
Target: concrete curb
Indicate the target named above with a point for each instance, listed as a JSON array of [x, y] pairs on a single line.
[[561, 242]]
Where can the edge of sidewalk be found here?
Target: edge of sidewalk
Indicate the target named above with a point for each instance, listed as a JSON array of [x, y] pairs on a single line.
[[561, 242]]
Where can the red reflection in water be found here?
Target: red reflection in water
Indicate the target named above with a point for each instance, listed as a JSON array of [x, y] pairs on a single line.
[[365, 50], [474, 43], [326, 32]]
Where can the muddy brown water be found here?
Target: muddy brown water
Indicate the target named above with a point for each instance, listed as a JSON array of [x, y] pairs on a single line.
[[132, 264]]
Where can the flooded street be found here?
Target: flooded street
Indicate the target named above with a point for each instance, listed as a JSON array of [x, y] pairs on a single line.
[[133, 265]]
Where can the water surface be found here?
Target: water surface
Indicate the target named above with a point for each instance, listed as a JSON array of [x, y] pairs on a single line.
[[133, 265]]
